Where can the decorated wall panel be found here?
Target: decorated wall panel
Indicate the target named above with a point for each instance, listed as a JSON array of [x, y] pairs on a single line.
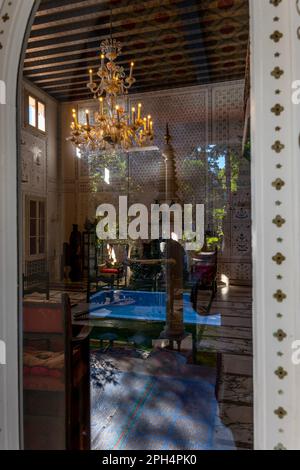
[[198, 117]]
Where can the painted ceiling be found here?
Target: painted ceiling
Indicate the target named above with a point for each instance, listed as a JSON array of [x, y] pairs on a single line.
[[173, 43]]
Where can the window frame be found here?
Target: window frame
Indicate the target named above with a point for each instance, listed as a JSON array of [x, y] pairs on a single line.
[[38, 101], [37, 256]]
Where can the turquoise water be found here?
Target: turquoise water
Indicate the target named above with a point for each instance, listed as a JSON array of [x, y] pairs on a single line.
[[144, 306]]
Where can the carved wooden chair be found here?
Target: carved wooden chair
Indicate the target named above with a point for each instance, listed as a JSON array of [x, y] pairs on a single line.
[[55, 378], [204, 277]]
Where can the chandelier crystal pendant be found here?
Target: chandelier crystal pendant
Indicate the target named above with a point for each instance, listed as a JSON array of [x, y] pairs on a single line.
[[114, 127]]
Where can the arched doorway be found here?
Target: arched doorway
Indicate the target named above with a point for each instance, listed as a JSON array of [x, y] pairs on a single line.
[[14, 20], [276, 407]]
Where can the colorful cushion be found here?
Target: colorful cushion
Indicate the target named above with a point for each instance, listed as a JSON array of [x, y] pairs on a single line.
[[204, 273], [109, 271]]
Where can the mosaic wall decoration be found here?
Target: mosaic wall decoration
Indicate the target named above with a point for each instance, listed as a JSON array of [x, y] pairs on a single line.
[[199, 117], [187, 112]]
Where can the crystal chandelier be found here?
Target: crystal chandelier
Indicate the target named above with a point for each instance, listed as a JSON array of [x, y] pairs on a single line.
[[113, 126]]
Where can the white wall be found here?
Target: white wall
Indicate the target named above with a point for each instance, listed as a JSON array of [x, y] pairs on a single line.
[[43, 180]]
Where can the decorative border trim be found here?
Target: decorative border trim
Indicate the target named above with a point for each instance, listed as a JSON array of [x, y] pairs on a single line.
[[278, 184], [5, 13], [276, 221]]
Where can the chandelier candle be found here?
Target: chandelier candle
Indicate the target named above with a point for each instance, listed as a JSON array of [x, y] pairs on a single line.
[[113, 126], [131, 69], [101, 106], [87, 119], [118, 113], [133, 116], [75, 117]]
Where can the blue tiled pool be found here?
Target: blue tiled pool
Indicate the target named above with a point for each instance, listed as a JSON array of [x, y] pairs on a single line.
[[144, 306]]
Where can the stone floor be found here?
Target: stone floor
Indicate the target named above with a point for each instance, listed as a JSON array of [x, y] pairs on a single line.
[[229, 351], [160, 403], [232, 345]]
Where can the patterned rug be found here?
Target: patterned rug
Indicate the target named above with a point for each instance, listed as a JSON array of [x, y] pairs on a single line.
[[132, 411]]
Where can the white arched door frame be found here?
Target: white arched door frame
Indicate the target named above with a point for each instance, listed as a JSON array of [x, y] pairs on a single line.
[[14, 17], [276, 321]]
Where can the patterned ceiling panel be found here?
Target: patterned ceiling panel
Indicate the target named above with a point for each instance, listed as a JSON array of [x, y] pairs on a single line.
[[173, 43]]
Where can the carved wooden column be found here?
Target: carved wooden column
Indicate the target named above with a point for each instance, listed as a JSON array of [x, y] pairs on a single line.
[[174, 252]]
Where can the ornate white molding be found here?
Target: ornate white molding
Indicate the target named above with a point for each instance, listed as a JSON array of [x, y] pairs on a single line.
[[276, 290], [14, 15], [276, 222]]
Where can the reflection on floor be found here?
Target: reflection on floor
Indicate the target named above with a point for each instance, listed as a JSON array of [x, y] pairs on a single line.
[[159, 400], [232, 342], [156, 404], [76, 292]]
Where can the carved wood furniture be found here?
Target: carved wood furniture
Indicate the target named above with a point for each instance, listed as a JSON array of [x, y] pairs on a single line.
[[204, 277], [55, 378]]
